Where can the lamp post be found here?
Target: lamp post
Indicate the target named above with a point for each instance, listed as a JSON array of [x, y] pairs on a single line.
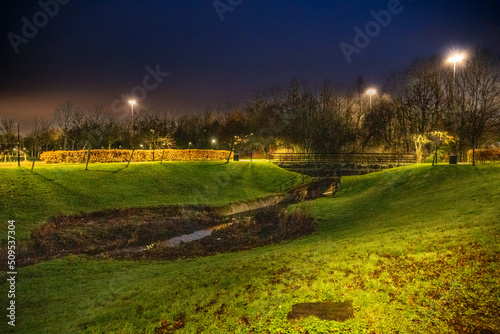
[[251, 147], [153, 142], [213, 143], [454, 60], [18, 147], [132, 102], [370, 92]]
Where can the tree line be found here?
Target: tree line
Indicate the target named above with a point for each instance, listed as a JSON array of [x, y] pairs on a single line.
[[428, 96]]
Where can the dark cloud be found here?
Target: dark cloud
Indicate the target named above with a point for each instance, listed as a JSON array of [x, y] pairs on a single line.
[[95, 51]]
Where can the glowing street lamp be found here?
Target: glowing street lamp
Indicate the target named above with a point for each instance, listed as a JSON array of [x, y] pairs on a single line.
[[132, 102], [213, 143], [18, 147], [454, 60], [370, 92]]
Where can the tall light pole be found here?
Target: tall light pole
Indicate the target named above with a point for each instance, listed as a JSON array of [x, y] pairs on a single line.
[[213, 143], [370, 92], [153, 142], [18, 147], [454, 60], [132, 102], [251, 147]]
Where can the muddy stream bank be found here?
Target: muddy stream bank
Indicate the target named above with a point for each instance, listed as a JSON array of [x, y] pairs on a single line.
[[174, 231]]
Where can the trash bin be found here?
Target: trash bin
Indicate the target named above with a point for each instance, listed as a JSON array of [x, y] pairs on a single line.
[[453, 159], [236, 157]]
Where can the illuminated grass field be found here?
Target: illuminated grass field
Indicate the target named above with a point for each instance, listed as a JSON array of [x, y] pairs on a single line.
[[416, 250], [68, 189]]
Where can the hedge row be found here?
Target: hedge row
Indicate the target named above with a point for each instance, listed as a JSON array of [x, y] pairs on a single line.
[[492, 154], [139, 155]]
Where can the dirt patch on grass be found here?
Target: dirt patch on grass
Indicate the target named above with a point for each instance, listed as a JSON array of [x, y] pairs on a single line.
[[167, 327], [97, 232], [458, 288], [269, 226], [141, 233], [323, 310]]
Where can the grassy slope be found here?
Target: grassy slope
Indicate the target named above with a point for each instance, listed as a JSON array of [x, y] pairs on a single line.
[[415, 249], [65, 189]]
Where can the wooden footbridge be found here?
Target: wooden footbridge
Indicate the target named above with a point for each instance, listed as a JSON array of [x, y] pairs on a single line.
[[340, 164]]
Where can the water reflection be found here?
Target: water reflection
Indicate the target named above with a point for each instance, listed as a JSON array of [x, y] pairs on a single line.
[[192, 237], [173, 242]]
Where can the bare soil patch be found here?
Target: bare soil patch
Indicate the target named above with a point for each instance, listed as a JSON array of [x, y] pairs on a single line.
[[141, 233], [269, 226], [323, 310]]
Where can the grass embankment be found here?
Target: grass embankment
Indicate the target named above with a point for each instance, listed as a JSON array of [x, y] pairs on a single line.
[[54, 190], [415, 249]]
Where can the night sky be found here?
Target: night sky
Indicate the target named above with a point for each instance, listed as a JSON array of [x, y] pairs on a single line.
[[97, 51]]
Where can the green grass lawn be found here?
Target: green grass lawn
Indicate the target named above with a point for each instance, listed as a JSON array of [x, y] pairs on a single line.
[[416, 250], [66, 189]]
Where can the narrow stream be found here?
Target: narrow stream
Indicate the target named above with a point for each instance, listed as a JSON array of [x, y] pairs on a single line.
[[173, 242], [193, 236], [234, 210]]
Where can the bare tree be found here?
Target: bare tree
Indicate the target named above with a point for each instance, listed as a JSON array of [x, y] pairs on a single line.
[[65, 117], [379, 125], [479, 86], [300, 110], [234, 131], [93, 121], [166, 142], [424, 96], [38, 135], [7, 133], [358, 110]]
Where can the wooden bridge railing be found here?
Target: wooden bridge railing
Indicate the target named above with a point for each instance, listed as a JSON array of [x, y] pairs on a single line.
[[343, 158]]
